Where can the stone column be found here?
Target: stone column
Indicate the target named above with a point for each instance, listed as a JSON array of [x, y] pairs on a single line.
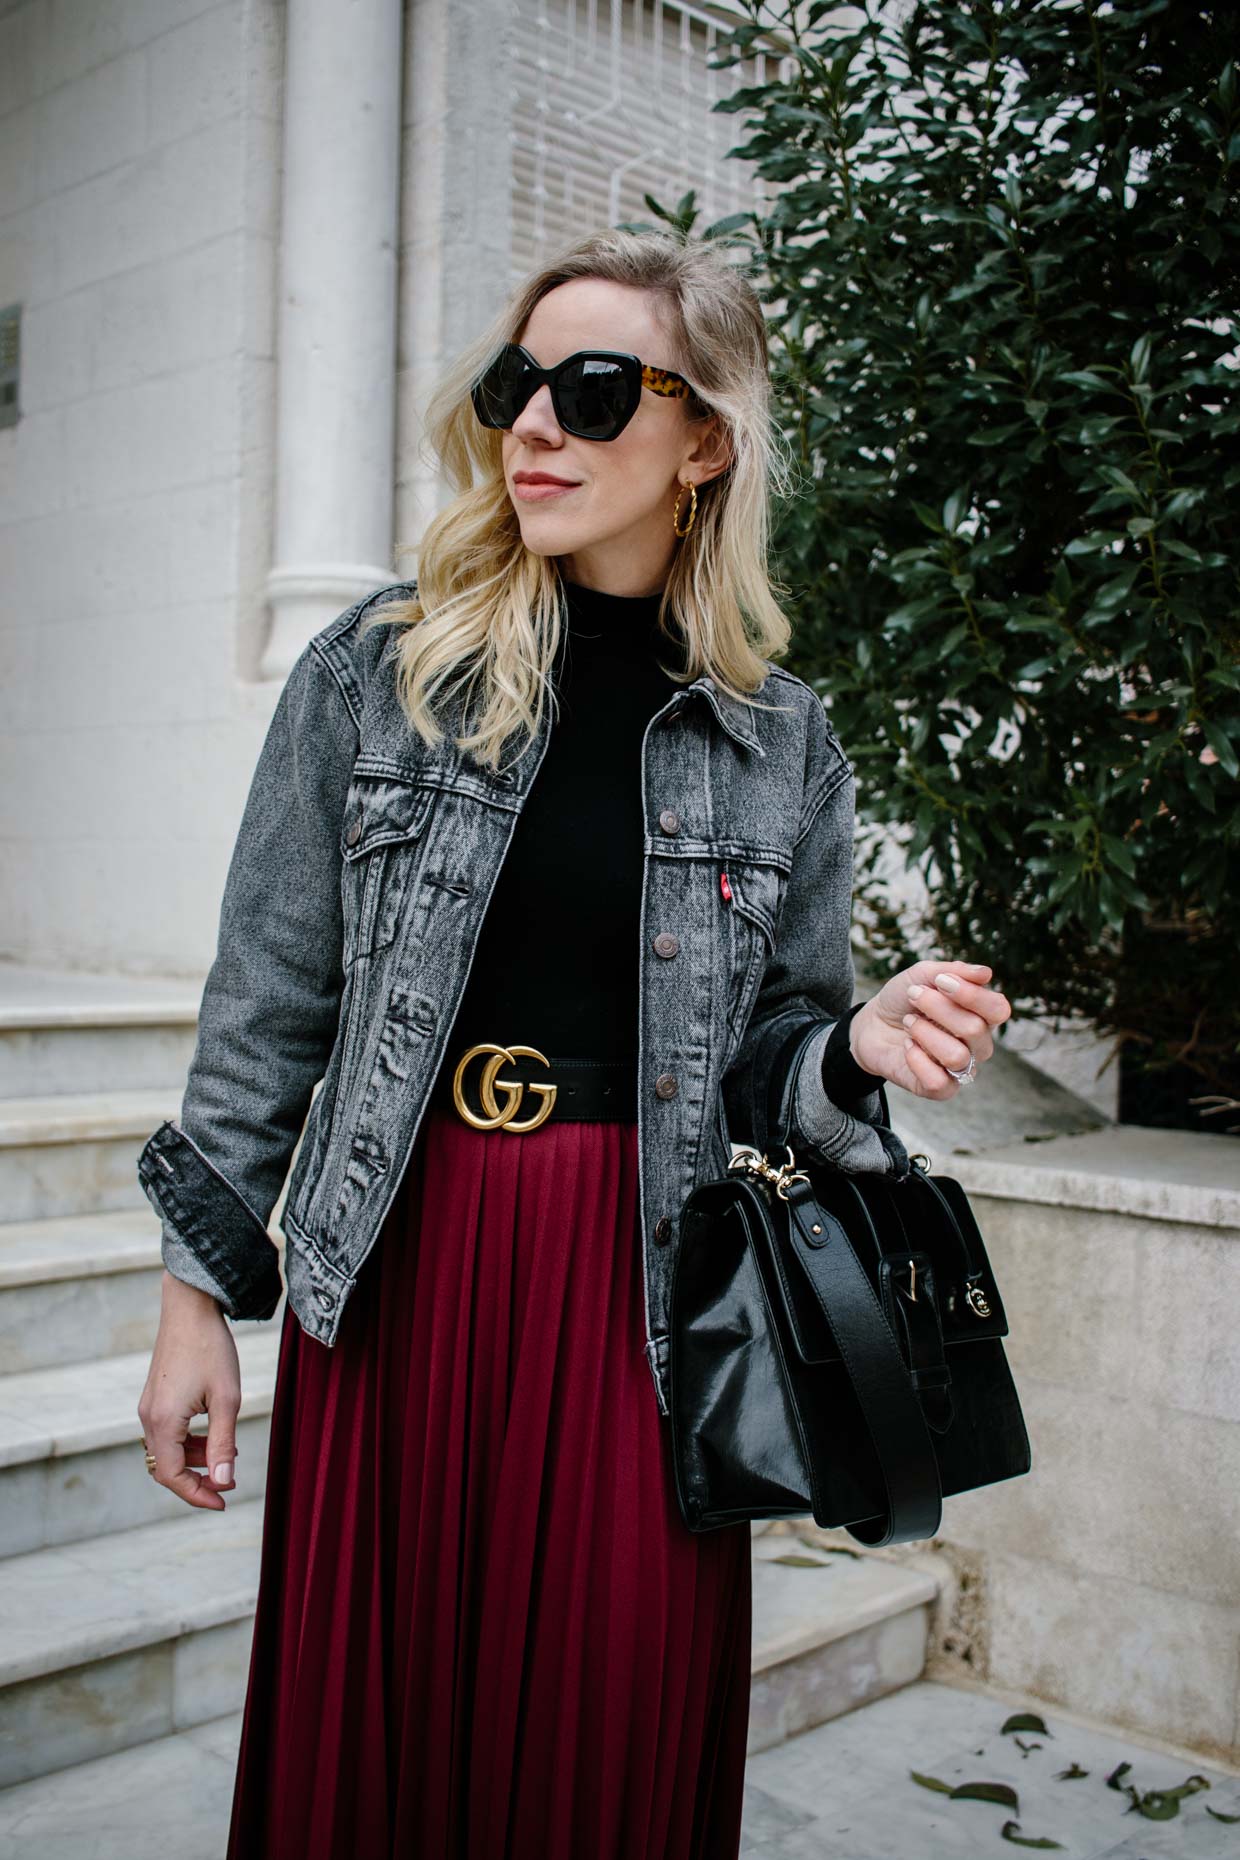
[[336, 416]]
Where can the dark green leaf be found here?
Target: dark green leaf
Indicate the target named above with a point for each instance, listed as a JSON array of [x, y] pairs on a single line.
[[1223, 745], [989, 1792], [1158, 1805], [931, 1782], [1009, 1833], [1083, 377]]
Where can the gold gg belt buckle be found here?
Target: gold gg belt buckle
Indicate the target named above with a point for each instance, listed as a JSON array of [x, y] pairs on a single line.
[[501, 1117]]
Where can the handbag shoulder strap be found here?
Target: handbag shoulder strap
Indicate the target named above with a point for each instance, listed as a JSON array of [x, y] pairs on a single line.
[[877, 1371]]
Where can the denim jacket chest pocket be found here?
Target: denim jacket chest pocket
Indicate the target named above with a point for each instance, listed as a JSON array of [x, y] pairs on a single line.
[[384, 816], [757, 886]]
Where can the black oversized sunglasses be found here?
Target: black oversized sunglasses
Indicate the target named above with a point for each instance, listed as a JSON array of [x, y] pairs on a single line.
[[595, 392]]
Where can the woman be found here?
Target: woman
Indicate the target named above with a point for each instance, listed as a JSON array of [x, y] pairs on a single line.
[[482, 1627]]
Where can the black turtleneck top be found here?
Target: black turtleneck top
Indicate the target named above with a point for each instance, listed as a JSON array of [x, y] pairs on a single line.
[[557, 963]]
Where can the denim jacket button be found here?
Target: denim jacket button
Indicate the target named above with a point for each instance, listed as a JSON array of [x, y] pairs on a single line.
[[665, 944], [663, 1230], [669, 820], [665, 1086], [353, 832], [325, 1299]]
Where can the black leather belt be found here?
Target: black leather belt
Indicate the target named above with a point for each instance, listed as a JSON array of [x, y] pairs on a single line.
[[517, 1088]]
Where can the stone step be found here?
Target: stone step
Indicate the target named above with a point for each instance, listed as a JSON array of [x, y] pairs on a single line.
[[171, 1795], [110, 1641], [71, 1031], [78, 1286], [831, 1631], [115, 1639], [77, 1152], [75, 1287], [71, 1465]]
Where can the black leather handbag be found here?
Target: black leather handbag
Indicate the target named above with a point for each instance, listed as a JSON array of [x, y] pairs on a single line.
[[835, 1339]]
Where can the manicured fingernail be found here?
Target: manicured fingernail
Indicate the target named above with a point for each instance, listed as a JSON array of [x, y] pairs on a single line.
[[907, 1044], [950, 982], [909, 1019], [223, 1472], [915, 990]]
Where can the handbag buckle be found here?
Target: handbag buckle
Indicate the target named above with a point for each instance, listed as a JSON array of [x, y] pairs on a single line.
[[976, 1299], [747, 1157]]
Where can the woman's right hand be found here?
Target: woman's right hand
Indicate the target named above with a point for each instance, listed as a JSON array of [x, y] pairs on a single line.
[[194, 1370]]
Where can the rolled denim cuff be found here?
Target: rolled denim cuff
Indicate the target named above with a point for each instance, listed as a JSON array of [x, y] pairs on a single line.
[[183, 1263], [211, 1220], [836, 1136]]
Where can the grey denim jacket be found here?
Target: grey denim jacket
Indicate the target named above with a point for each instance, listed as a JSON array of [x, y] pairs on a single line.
[[354, 897]]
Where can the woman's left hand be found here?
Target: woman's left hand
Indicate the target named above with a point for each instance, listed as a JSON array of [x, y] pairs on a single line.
[[918, 1024]]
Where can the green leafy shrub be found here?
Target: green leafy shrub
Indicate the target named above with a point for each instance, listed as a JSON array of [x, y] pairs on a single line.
[[1001, 271]]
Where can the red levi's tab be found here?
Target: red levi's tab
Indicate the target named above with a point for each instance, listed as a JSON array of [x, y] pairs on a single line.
[[724, 886]]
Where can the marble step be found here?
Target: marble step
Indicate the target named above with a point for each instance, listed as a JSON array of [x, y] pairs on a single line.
[[78, 1286], [170, 1795], [77, 1152], [115, 1639], [75, 1287], [108, 1642], [71, 1465], [73, 1031], [832, 1630]]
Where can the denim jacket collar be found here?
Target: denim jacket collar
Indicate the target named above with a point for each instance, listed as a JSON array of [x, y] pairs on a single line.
[[732, 712]]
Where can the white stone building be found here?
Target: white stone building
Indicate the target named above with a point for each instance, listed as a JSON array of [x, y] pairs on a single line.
[[239, 238]]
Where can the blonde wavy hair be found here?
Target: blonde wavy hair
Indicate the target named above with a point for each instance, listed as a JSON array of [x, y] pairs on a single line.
[[486, 613]]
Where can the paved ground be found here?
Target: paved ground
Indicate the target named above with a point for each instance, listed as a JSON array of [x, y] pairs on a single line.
[[841, 1792]]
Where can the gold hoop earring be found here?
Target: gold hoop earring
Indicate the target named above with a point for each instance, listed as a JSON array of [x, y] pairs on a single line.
[[692, 511]]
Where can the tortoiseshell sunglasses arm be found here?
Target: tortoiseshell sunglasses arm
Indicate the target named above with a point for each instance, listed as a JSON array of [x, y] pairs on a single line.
[[663, 381]]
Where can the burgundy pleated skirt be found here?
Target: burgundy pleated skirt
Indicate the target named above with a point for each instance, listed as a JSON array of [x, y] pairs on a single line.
[[483, 1630]]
